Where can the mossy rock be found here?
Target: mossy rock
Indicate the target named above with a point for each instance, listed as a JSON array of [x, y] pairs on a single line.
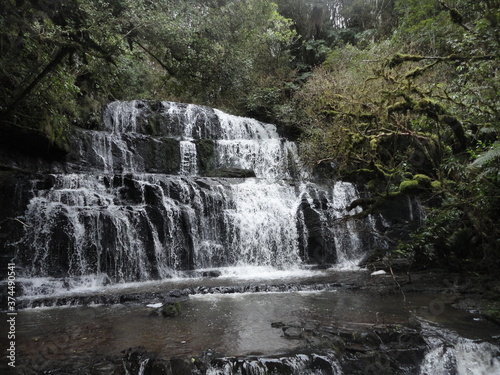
[[410, 187], [423, 180], [420, 183], [171, 309]]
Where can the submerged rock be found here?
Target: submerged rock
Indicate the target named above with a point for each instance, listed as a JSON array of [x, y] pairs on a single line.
[[293, 332], [171, 309]]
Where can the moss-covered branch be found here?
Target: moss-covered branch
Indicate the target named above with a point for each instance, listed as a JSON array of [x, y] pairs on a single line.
[[400, 58]]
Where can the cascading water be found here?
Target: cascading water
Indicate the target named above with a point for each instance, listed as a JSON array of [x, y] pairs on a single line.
[[298, 365], [450, 354], [167, 190], [136, 205]]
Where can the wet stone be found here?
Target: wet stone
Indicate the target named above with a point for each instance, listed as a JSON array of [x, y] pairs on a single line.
[[211, 273], [170, 310], [293, 332]]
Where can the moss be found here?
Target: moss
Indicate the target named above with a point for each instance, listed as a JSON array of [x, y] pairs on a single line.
[[371, 185], [400, 58], [436, 185], [409, 187], [415, 73], [393, 194], [400, 107], [369, 117], [418, 184], [364, 171], [171, 309], [423, 180], [383, 171], [431, 108]]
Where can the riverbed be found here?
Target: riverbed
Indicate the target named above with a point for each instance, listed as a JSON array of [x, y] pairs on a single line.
[[239, 318]]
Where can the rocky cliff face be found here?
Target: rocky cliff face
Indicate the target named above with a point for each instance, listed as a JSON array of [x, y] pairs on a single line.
[[161, 188]]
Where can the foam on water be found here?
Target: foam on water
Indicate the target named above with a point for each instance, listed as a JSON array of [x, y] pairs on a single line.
[[450, 354], [256, 273], [122, 225]]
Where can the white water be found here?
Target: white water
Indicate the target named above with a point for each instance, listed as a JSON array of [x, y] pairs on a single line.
[[268, 158], [189, 162], [298, 364], [118, 224], [450, 354]]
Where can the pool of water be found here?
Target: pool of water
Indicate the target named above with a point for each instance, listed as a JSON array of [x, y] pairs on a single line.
[[234, 324], [237, 324]]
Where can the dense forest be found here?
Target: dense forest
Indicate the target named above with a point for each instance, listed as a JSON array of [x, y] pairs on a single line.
[[400, 95]]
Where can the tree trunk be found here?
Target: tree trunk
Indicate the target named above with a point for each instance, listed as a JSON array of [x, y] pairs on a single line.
[[53, 64]]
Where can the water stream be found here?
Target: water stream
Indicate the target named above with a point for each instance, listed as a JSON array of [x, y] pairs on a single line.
[[174, 197], [247, 325], [110, 220]]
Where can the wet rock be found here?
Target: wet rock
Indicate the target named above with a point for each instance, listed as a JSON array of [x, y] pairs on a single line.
[[296, 324], [205, 150], [293, 332], [276, 366], [322, 364], [178, 293], [171, 309], [231, 173], [183, 366], [139, 361], [211, 273], [319, 250], [325, 340], [414, 323], [309, 326]]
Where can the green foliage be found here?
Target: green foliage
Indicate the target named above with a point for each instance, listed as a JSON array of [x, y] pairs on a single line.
[[420, 183], [490, 157], [409, 187], [422, 104], [424, 27], [61, 61], [402, 94]]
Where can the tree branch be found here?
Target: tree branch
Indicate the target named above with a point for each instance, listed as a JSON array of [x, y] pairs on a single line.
[[455, 15], [157, 59], [63, 52]]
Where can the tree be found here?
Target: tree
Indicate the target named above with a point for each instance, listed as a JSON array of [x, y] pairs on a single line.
[[61, 61], [44, 47], [409, 118]]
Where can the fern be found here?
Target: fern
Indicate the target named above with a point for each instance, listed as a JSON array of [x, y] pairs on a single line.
[[489, 156], [489, 171], [489, 130]]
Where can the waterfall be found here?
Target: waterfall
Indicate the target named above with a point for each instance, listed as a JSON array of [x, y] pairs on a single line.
[[136, 203], [348, 233], [449, 354], [189, 161], [300, 364]]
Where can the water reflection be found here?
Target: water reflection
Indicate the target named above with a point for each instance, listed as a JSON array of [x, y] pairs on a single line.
[[231, 324]]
